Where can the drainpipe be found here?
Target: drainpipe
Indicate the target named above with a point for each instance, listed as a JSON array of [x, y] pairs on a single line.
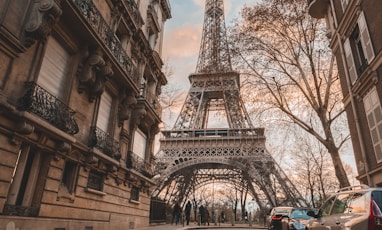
[[352, 102]]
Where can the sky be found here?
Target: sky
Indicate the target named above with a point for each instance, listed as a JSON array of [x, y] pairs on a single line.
[[181, 45], [183, 34]]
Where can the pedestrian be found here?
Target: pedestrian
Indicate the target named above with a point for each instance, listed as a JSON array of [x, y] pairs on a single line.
[[187, 210], [206, 216], [222, 216], [201, 214], [175, 214]]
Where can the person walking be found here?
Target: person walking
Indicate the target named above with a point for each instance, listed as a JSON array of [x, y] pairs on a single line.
[[175, 214], [201, 215], [187, 211]]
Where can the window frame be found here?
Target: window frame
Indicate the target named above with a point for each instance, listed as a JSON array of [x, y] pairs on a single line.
[[69, 179], [365, 54], [134, 194], [44, 79], [93, 174], [372, 105], [105, 123]]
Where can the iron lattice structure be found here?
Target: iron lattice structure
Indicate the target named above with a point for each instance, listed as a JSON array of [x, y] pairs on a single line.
[[192, 154]]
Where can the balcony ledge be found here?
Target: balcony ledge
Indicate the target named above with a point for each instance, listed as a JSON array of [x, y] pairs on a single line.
[[318, 8]]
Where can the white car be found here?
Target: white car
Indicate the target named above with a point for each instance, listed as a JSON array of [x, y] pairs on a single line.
[[351, 208]]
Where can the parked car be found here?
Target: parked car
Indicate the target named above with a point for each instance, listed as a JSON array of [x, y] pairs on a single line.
[[351, 208], [275, 217], [297, 218]]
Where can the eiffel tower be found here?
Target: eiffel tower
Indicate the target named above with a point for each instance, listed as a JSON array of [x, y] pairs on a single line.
[[192, 153]]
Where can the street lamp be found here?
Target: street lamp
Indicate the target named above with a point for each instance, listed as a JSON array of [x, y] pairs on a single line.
[[213, 200]]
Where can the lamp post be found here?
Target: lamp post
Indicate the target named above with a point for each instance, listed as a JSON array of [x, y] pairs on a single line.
[[213, 200]]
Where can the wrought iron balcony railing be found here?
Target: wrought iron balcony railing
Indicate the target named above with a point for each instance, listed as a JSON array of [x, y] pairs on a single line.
[[108, 37], [134, 10], [104, 142], [153, 101], [40, 102], [139, 164]]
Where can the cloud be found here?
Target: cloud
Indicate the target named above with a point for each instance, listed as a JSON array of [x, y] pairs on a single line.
[[183, 42]]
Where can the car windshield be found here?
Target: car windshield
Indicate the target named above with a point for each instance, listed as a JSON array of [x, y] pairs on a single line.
[[300, 214]]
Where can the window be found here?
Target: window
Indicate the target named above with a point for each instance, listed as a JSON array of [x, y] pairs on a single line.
[[374, 118], [344, 4], [358, 49], [95, 180], [104, 111], [134, 195], [350, 61], [54, 68], [69, 176], [139, 147], [327, 206]]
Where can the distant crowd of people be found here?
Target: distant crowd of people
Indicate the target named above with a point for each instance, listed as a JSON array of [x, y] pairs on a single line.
[[203, 214]]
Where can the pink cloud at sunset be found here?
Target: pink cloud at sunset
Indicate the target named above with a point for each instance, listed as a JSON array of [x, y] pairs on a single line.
[[183, 42]]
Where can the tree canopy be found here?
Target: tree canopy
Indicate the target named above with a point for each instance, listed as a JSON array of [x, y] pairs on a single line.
[[291, 72]]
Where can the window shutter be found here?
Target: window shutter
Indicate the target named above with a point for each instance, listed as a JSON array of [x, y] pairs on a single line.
[[374, 117], [104, 111], [54, 68], [140, 140], [350, 61], [365, 38]]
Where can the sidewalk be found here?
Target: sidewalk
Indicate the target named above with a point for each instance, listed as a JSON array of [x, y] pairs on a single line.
[[195, 226]]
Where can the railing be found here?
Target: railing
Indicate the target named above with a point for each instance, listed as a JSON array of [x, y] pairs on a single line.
[[38, 101], [102, 29], [153, 102], [206, 133], [104, 142], [139, 164], [134, 10]]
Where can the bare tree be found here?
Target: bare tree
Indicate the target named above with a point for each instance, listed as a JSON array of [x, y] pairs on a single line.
[[291, 71], [170, 98], [312, 169]]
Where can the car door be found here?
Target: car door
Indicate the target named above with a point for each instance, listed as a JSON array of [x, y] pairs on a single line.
[[331, 214]]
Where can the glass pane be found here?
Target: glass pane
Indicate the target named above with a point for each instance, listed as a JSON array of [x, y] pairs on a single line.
[[378, 152], [327, 206], [374, 135], [378, 114], [370, 119], [341, 204]]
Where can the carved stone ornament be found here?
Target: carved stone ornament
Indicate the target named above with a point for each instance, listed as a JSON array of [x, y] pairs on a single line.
[[44, 14], [127, 104], [138, 114], [102, 76], [93, 73]]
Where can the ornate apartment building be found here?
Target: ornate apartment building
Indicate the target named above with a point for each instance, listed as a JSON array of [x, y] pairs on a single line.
[[353, 28], [79, 86]]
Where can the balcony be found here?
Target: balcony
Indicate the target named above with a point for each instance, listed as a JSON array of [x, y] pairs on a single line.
[[38, 101], [139, 164], [318, 8], [101, 29], [133, 9], [104, 142]]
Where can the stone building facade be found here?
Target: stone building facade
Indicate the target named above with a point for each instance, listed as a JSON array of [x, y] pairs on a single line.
[[353, 28], [79, 109]]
